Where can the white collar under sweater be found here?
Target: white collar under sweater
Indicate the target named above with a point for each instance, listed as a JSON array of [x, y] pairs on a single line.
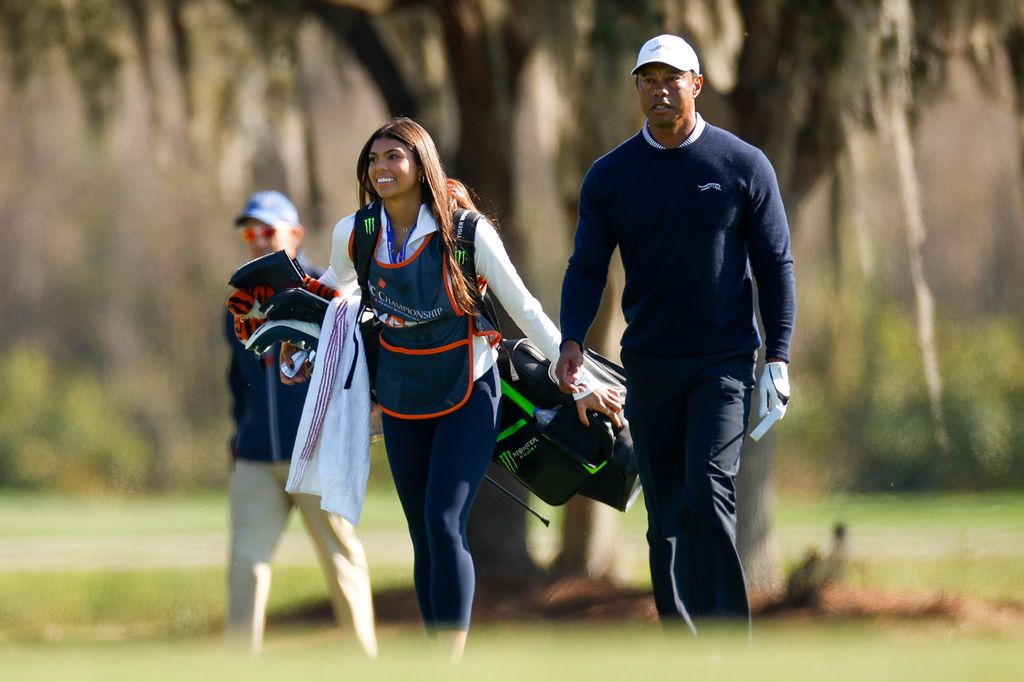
[[698, 129]]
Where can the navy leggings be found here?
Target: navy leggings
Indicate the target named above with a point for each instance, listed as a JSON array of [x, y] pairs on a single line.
[[438, 466]]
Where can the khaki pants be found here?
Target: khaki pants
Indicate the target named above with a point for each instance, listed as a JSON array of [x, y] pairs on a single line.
[[259, 511]]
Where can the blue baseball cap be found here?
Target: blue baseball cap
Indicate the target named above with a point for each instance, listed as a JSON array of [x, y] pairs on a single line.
[[270, 207]]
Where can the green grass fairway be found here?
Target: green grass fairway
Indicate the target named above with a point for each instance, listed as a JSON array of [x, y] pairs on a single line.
[[135, 588], [961, 544], [783, 654]]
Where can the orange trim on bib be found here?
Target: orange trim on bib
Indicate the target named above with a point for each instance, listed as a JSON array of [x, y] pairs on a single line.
[[493, 336], [456, 406], [423, 351], [426, 240], [433, 415]]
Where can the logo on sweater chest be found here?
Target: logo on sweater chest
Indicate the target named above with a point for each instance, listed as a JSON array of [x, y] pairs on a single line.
[[710, 185]]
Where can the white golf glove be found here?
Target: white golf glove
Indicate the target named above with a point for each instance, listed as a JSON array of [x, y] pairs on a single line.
[[773, 387], [773, 395]]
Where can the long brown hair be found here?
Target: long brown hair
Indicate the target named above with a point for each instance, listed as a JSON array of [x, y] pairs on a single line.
[[434, 189]]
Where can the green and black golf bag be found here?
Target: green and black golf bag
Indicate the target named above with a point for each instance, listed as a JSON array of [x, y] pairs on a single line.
[[543, 443]]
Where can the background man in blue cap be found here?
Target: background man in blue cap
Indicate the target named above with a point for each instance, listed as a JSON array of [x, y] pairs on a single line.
[[267, 416], [696, 215]]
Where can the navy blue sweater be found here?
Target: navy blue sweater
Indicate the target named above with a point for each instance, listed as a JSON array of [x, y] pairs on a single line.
[[691, 224]]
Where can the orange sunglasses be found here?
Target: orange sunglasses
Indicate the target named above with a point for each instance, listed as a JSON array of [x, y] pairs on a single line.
[[250, 234]]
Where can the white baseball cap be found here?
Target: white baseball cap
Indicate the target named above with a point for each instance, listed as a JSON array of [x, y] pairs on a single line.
[[668, 49]]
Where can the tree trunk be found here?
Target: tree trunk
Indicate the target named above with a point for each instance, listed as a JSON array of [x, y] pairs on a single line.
[[897, 24], [589, 540], [485, 56], [754, 503]]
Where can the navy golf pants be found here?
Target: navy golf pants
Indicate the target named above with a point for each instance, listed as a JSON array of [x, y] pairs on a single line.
[[688, 421], [438, 465]]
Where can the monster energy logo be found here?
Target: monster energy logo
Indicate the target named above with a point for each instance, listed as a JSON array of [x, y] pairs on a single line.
[[509, 462], [368, 224], [511, 458], [460, 256]]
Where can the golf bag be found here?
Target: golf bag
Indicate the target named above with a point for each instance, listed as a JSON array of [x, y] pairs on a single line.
[[542, 441]]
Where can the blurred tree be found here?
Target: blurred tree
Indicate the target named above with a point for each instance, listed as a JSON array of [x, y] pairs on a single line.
[[825, 88]]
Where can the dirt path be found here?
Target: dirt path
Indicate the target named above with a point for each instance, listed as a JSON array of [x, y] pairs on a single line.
[[581, 600]]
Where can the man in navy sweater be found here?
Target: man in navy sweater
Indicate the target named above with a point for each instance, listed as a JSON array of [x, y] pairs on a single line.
[[697, 216]]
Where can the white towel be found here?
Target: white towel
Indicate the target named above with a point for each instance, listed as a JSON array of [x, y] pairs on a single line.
[[331, 457]]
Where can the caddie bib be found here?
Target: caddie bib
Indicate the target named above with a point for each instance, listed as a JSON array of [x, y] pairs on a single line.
[[425, 366]]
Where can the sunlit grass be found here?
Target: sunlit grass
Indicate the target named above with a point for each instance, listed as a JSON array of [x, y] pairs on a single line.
[[28, 515], [931, 511], [24, 515], [623, 653], [954, 545], [996, 579], [123, 604]]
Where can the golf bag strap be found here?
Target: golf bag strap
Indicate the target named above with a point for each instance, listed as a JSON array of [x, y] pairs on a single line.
[[464, 223], [364, 241]]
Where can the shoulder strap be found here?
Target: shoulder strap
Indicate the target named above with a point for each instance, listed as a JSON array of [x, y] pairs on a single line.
[[364, 240], [465, 223]]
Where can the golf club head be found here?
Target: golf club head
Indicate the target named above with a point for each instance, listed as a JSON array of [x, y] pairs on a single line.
[[275, 270], [302, 334], [296, 304]]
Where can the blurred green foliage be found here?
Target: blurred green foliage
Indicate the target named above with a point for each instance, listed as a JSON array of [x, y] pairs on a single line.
[[68, 431], [62, 430], [880, 434]]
